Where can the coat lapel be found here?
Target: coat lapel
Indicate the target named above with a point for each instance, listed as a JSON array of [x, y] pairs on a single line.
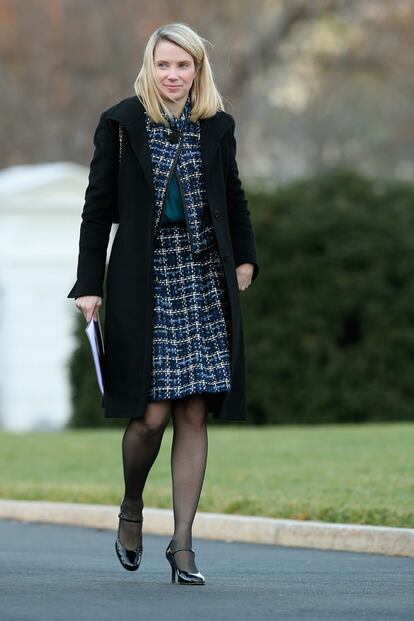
[[130, 113]]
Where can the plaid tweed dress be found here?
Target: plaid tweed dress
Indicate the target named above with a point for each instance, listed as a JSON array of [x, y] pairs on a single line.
[[191, 339]]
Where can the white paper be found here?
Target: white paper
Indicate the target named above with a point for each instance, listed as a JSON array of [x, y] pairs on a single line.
[[94, 333]]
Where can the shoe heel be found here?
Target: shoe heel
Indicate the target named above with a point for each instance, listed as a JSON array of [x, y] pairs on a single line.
[[172, 567]]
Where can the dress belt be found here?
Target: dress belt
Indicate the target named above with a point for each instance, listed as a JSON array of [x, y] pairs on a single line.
[[181, 223]]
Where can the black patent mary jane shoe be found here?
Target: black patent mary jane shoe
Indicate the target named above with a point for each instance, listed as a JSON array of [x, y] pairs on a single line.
[[130, 559], [183, 577]]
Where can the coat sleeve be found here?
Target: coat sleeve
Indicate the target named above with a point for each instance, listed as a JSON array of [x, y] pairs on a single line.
[[98, 212], [241, 230]]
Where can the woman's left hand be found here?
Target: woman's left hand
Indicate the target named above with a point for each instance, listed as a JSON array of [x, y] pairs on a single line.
[[244, 275]]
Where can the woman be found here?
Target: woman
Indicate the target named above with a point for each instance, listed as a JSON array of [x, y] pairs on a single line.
[[164, 168]]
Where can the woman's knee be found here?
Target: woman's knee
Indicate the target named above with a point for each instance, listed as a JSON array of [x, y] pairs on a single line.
[[157, 416], [154, 421], [191, 410]]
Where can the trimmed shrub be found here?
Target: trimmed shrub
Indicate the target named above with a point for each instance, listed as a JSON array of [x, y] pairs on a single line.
[[330, 319]]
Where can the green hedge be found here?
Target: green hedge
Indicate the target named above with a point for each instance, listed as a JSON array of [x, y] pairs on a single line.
[[329, 322]]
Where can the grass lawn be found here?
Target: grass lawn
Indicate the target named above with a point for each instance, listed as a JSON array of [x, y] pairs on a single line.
[[337, 473]]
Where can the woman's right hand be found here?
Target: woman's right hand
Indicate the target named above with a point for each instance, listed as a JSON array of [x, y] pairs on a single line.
[[89, 306]]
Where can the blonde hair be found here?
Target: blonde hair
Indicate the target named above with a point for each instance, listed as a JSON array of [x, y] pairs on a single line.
[[205, 98]]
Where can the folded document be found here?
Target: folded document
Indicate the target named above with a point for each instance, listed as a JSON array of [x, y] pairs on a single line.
[[94, 333]]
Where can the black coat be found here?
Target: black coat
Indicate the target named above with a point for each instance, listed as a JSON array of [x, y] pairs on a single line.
[[130, 200]]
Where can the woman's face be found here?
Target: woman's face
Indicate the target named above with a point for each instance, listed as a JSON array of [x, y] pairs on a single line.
[[175, 71]]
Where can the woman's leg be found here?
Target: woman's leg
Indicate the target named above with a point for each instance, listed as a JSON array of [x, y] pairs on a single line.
[[140, 446], [188, 464]]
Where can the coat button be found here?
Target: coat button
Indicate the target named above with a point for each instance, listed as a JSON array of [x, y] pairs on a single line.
[[216, 213], [226, 257]]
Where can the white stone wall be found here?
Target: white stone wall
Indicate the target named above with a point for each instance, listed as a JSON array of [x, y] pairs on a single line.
[[40, 216]]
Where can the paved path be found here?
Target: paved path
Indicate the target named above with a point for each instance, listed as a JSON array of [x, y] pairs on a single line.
[[71, 573]]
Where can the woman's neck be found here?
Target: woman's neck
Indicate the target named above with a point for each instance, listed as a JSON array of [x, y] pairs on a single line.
[[176, 108]]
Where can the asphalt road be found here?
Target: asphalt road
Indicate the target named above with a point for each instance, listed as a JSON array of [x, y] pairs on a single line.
[[70, 573]]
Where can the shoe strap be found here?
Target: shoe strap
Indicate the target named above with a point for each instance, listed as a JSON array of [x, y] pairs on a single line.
[[178, 550], [123, 516]]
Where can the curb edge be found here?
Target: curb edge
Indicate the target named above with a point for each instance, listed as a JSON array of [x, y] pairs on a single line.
[[383, 540]]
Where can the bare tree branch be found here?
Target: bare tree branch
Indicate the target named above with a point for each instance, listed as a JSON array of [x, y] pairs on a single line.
[[265, 50]]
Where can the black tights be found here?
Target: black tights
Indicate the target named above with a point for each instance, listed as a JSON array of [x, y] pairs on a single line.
[[140, 446]]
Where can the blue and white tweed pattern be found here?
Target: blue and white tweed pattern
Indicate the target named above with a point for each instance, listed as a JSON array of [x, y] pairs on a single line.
[[192, 330], [189, 170], [191, 351]]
